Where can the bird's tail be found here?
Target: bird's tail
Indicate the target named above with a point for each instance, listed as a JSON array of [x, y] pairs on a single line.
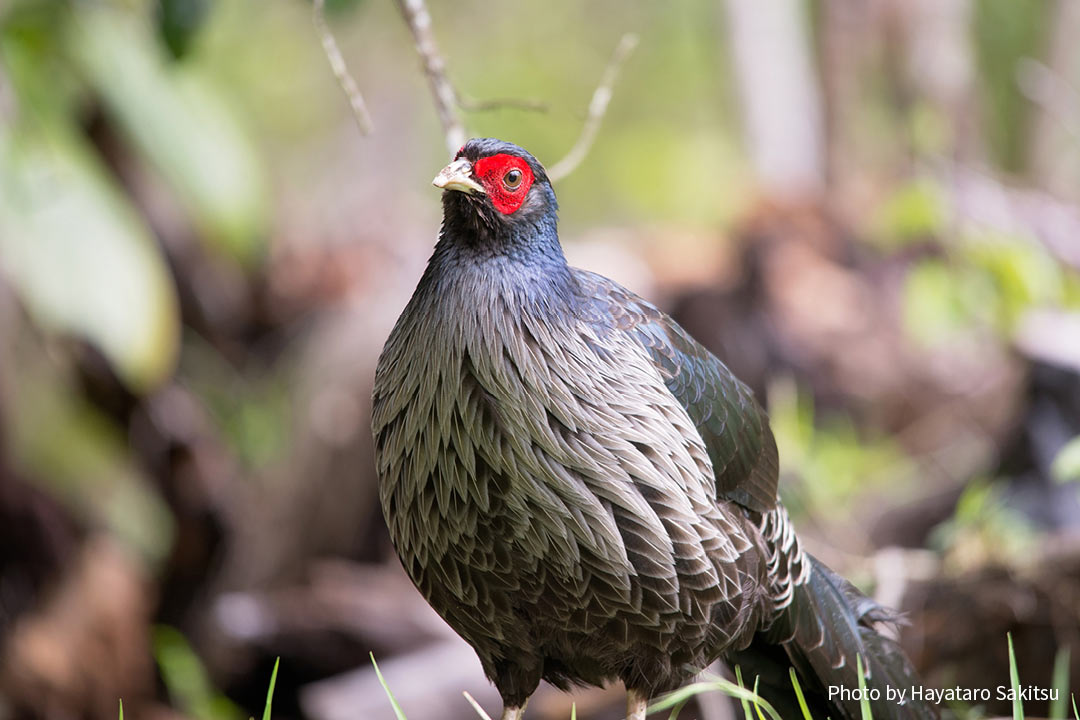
[[824, 627]]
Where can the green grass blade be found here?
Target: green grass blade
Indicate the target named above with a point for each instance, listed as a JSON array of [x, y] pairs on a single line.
[[715, 684], [573, 711], [382, 681], [864, 703], [799, 695], [1014, 678], [1075, 713], [677, 709], [757, 706], [1058, 708], [187, 680], [270, 691], [745, 701], [121, 709]]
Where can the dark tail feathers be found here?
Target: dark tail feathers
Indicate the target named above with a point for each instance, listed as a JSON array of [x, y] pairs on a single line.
[[829, 624]]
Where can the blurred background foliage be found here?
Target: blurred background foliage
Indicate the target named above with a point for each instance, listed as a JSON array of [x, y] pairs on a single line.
[[870, 210]]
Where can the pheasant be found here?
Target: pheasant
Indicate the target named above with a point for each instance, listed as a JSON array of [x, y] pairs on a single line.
[[582, 491]]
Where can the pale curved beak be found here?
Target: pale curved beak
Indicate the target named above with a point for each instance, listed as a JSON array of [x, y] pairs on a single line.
[[458, 176]]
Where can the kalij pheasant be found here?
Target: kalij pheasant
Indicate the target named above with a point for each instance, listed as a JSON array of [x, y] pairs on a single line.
[[583, 491]]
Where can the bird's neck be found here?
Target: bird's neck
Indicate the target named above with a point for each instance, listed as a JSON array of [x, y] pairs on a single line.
[[502, 283], [520, 264]]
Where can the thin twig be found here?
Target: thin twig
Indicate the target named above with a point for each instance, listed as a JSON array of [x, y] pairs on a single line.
[[471, 105], [341, 72], [418, 19], [8, 107], [597, 107], [476, 706], [1044, 87]]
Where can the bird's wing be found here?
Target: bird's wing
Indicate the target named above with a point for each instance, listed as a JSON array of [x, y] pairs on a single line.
[[732, 424]]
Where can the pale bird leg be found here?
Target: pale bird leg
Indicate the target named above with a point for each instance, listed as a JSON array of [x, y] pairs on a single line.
[[514, 713], [636, 703]]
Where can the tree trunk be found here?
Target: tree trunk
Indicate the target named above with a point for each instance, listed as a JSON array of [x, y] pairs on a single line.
[[779, 95]]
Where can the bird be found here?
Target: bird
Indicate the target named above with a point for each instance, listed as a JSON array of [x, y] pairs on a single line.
[[583, 492]]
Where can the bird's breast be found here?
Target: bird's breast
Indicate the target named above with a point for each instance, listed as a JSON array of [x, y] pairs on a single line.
[[523, 454]]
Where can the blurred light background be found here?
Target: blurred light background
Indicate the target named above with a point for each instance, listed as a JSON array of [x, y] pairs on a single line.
[[869, 208]]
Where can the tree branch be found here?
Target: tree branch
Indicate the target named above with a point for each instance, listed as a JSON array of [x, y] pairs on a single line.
[[8, 107], [1053, 93], [341, 72], [476, 706], [446, 98], [597, 108], [471, 105]]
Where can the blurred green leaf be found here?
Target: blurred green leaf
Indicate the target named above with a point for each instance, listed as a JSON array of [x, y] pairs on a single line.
[[1070, 288], [984, 529], [987, 282], [930, 131], [186, 678], [178, 23], [1066, 466], [180, 123], [80, 456], [79, 256], [943, 301], [1023, 276], [913, 213], [342, 6], [251, 406], [931, 309], [31, 51], [834, 462]]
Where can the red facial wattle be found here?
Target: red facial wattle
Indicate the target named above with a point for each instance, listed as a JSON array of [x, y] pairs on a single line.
[[506, 179]]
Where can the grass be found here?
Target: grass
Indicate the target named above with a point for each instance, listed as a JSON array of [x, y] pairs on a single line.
[[269, 694], [864, 703], [1014, 679], [754, 706], [757, 708], [394, 703], [270, 691], [799, 695], [1060, 682]]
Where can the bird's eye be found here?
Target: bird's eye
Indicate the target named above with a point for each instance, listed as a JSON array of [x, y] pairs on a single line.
[[512, 179]]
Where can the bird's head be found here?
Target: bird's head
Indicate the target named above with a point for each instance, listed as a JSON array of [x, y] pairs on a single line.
[[496, 194]]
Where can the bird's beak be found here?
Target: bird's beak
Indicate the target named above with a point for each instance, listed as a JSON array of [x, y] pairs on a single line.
[[458, 176]]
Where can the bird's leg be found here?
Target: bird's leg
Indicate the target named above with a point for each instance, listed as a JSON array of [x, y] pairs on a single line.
[[636, 702], [514, 713]]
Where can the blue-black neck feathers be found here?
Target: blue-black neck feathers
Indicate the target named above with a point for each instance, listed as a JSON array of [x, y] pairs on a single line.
[[476, 237]]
